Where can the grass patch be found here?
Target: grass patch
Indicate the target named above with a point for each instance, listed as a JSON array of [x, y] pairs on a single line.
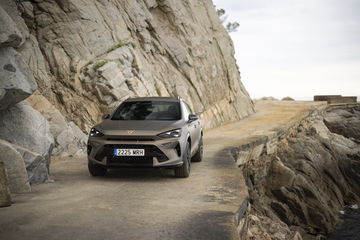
[[101, 63], [158, 91], [121, 44]]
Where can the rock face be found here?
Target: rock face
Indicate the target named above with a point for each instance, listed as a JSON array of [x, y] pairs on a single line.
[[313, 175], [27, 149], [17, 83], [86, 58]]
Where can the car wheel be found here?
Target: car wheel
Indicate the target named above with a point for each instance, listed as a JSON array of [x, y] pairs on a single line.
[[184, 170], [96, 170], [199, 154]]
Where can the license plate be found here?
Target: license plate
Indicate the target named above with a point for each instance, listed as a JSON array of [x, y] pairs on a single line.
[[129, 152]]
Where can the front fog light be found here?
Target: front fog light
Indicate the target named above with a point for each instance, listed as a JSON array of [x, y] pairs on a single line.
[[169, 144], [95, 133]]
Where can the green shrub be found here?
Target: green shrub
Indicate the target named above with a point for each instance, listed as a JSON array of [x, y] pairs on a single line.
[[121, 44], [100, 64], [158, 91]]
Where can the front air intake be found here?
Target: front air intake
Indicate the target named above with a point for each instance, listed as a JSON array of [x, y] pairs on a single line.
[[178, 149]]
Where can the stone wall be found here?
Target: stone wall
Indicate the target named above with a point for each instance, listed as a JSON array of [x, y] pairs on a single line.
[[335, 99]]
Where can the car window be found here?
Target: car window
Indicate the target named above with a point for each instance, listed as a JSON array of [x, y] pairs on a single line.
[[147, 110], [186, 111]]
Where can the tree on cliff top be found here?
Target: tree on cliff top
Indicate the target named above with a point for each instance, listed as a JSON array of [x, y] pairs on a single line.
[[229, 26]]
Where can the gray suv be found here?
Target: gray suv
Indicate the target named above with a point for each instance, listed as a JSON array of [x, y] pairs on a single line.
[[147, 132]]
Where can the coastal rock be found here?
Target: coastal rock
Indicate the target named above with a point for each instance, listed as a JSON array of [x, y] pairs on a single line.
[[23, 126], [345, 122], [5, 198], [261, 227], [17, 82], [313, 175], [15, 168]]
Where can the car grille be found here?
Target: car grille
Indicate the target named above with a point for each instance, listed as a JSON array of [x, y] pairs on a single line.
[[131, 138], [144, 161], [147, 160]]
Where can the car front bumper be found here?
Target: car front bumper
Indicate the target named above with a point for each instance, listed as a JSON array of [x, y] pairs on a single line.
[[163, 153]]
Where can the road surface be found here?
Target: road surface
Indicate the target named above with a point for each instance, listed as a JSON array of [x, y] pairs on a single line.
[[147, 203]]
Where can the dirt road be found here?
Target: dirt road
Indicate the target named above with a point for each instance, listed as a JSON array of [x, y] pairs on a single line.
[[146, 203]]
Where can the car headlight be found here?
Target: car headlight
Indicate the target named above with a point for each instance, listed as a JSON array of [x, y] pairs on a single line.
[[171, 134], [95, 133]]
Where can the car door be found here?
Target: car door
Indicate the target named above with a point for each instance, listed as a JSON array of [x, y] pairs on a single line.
[[194, 128]]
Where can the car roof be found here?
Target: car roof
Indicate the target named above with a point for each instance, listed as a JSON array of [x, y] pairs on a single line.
[[165, 99]]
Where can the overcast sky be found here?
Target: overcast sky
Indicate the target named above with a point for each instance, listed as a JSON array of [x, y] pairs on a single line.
[[296, 48]]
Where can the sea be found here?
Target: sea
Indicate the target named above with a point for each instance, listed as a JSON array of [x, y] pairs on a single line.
[[350, 228]]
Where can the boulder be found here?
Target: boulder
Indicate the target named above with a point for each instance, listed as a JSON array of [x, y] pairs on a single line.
[[71, 141], [24, 126], [16, 81], [37, 165], [15, 22], [5, 198], [10, 35], [15, 168], [56, 120]]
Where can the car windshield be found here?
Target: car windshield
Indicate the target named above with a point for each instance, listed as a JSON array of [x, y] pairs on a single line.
[[148, 110]]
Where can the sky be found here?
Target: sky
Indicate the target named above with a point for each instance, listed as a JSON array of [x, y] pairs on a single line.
[[296, 48]]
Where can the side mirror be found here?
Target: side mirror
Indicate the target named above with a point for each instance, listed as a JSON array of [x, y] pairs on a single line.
[[106, 116], [193, 117]]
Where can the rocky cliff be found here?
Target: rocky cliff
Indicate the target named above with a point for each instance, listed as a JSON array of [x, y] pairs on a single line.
[[314, 173], [65, 63]]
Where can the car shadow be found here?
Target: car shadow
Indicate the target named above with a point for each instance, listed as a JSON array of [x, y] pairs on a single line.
[[139, 173]]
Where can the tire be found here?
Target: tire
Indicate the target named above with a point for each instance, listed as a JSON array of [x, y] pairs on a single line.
[[199, 154], [184, 170], [96, 170]]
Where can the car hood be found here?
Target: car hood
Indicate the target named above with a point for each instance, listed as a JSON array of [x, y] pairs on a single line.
[[139, 127]]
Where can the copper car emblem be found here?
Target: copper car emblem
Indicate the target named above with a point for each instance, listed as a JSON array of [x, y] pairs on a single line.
[[130, 132]]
